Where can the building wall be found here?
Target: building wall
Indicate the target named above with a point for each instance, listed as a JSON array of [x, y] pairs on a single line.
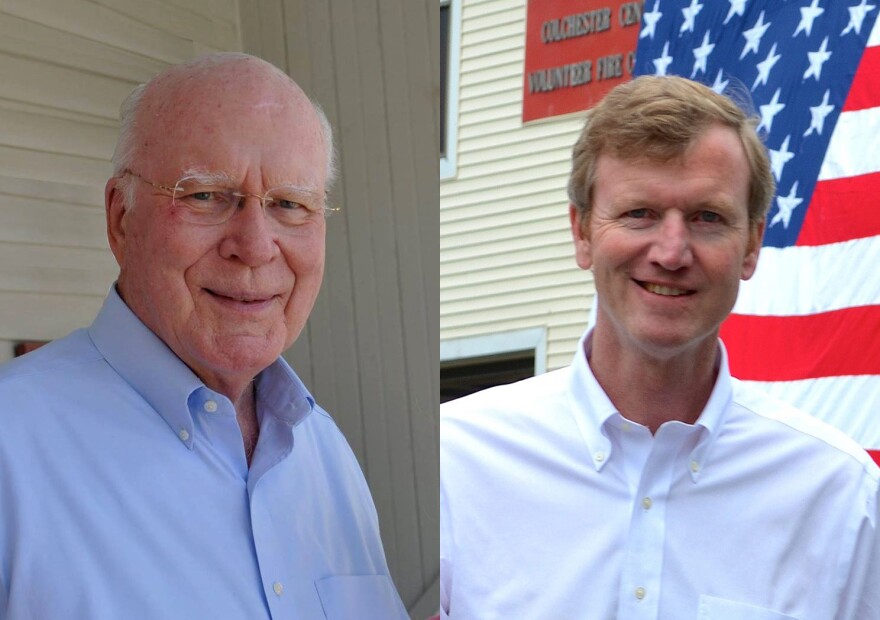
[[506, 255], [370, 350]]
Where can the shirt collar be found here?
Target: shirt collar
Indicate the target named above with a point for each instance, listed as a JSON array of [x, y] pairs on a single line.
[[593, 409], [152, 369]]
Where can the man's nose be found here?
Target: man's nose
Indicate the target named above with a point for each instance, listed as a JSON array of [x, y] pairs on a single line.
[[671, 247], [250, 235]]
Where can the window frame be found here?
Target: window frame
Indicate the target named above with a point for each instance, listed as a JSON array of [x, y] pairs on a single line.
[[449, 160]]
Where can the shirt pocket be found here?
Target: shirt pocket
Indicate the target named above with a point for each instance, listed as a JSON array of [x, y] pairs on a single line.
[[367, 597], [714, 608]]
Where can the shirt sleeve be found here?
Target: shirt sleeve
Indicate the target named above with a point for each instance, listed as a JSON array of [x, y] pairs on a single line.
[[861, 596]]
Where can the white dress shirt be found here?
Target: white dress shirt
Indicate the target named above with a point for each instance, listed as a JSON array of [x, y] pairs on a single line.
[[555, 507]]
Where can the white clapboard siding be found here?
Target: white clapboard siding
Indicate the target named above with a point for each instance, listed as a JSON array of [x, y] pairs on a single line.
[[370, 352], [506, 255]]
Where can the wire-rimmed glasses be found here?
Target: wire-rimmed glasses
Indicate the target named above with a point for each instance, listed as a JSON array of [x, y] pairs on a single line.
[[202, 199]]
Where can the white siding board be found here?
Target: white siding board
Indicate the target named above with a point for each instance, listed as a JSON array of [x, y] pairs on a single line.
[[63, 136], [92, 21], [35, 41], [533, 286], [28, 220], [46, 269], [35, 316], [54, 191], [51, 166], [179, 21], [27, 80]]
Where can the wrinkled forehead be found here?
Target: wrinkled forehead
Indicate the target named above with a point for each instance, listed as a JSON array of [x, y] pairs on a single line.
[[187, 114]]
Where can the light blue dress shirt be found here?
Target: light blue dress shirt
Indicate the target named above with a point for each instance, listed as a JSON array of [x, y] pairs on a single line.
[[125, 492]]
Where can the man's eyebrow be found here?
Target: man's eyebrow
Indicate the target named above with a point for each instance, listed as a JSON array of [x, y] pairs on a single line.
[[209, 177]]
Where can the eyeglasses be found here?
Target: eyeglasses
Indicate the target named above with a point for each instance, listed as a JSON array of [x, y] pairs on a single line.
[[200, 200]]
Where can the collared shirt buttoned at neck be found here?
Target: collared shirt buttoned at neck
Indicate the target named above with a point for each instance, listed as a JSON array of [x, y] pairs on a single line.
[[553, 505], [125, 492]]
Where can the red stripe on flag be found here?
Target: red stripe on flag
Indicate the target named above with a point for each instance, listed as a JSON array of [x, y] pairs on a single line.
[[842, 209], [865, 90], [828, 344], [875, 454]]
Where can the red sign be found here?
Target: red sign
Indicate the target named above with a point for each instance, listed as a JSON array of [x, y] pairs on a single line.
[[576, 51]]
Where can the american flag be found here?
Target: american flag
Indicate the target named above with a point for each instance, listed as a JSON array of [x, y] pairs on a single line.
[[807, 326]]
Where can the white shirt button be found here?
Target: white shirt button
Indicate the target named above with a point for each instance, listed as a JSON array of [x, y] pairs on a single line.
[[278, 588], [640, 593], [210, 406], [695, 467], [183, 434], [599, 457], [647, 503]]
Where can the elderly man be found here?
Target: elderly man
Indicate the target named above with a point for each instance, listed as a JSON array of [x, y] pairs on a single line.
[[166, 462], [643, 481]]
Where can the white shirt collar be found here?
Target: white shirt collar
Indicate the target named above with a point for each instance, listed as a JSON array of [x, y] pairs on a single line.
[[593, 409]]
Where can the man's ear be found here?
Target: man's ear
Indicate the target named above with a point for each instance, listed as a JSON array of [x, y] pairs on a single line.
[[580, 232], [116, 210], [756, 238]]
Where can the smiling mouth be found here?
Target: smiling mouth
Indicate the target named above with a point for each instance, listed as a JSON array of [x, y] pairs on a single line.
[[240, 297], [665, 291]]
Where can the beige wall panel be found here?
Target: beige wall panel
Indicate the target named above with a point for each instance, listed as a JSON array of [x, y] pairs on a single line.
[[106, 25], [32, 81], [37, 315], [36, 221], [181, 21], [51, 166], [32, 40], [38, 132], [59, 271], [549, 283]]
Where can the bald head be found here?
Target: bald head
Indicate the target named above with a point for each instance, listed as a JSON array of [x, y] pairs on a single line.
[[193, 93]]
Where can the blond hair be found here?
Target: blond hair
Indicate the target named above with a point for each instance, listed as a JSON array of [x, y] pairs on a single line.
[[657, 118]]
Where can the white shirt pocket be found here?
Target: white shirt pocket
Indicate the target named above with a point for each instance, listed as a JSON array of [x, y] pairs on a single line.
[[366, 597], [714, 608]]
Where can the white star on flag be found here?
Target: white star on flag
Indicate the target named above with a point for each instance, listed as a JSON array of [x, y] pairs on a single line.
[[753, 36], [690, 14], [662, 63], [817, 59], [779, 158], [819, 113], [701, 54], [857, 15], [769, 110], [737, 7], [808, 16], [720, 85], [650, 21], [787, 204], [765, 66]]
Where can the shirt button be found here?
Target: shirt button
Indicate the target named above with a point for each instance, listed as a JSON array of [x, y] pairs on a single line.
[[640, 593], [599, 457], [210, 406], [646, 503], [183, 434], [278, 588], [695, 467]]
